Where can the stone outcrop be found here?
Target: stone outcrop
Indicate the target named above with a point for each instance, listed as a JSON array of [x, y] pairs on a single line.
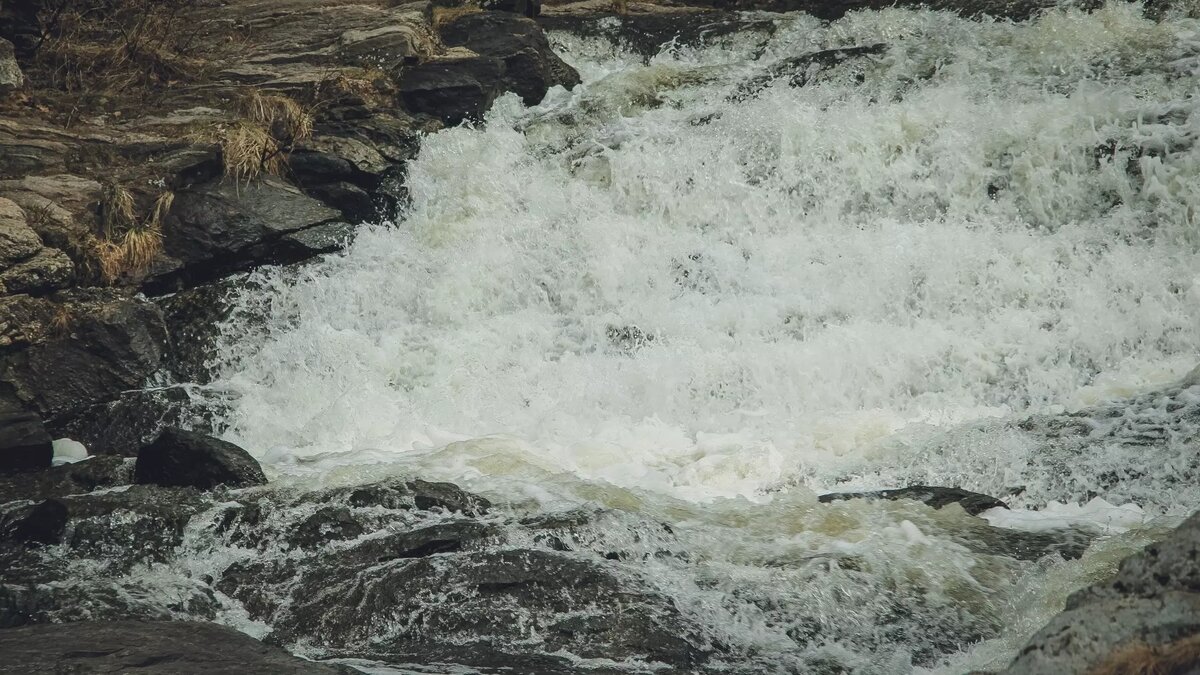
[[24, 443], [1151, 605], [491, 53], [149, 647], [179, 458]]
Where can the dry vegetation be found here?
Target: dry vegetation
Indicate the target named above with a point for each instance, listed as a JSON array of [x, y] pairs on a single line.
[[444, 15], [109, 47], [127, 244], [1175, 658], [259, 142]]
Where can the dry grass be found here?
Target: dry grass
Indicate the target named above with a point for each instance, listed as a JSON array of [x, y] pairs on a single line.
[[259, 142], [60, 323], [286, 120], [444, 15], [109, 47], [1175, 658], [248, 151], [127, 246]]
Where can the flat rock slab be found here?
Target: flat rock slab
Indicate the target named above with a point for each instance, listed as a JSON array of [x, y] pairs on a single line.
[[145, 647]]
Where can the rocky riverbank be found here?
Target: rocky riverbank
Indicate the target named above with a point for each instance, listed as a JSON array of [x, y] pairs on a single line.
[[141, 172]]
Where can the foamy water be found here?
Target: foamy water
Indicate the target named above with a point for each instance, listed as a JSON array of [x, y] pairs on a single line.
[[649, 296]]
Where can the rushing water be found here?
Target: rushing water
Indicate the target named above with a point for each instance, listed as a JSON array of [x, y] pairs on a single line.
[[658, 296]]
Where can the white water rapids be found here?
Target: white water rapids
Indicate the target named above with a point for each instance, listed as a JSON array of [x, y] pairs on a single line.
[[648, 296]]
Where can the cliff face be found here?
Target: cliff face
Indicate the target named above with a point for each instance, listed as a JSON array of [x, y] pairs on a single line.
[[153, 146]]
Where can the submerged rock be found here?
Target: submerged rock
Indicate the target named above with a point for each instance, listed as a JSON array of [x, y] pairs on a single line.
[[188, 459], [151, 647], [800, 70], [937, 497]]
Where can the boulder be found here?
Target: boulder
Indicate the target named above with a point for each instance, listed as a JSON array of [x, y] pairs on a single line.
[[937, 497], [188, 459], [48, 270], [496, 52], [11, 76], [149, 647], [24, 443], [18, 241], [1150, 607], [99, 344], [222, 226]]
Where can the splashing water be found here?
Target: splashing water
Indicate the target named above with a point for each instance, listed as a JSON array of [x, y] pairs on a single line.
[[685, 304]]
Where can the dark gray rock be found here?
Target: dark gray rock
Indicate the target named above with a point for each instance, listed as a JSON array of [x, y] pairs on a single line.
[[223, 226], [526, 8], [24, 443], [799, 70], [109, 344], [937, 497], [150, 647], [509, 53], [42, 523], [188, 459], [75, 478], [1172, 564], [1078, 640]]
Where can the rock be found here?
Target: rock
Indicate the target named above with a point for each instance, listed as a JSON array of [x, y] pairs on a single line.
[[1172, 564], [150, 647], [11, 76], [830, 10], [1077, 641], [467, 602], [648, 28], [223, 226], [937, 497], [68, 479], [530, 67], [24, 443], [43, 523], [526, 8], [18, 241], [188, 459], [497, 52], [99, 344], [48, 270], [800, 70], [122, 426]]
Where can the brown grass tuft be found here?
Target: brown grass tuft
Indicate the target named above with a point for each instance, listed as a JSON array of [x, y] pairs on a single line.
[[1174, 658], [248, 151], [116, 209], [286, 120], [60, 323], [444, 15], [127, 246]]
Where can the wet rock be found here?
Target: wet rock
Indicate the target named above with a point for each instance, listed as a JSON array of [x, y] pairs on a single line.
[[1077, 641], [497, 52], [24, 443], [467, 605], [527, 8], [11, 76], [800, 70], [75, 478], [99, 345], [407, 494], [223, 226], [123, 426], [1172, 564], [937, 497], [1068, 544], [648, 28], [329, 523], [43, 523], [151, 647], [185, 458], [1017, 10]]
